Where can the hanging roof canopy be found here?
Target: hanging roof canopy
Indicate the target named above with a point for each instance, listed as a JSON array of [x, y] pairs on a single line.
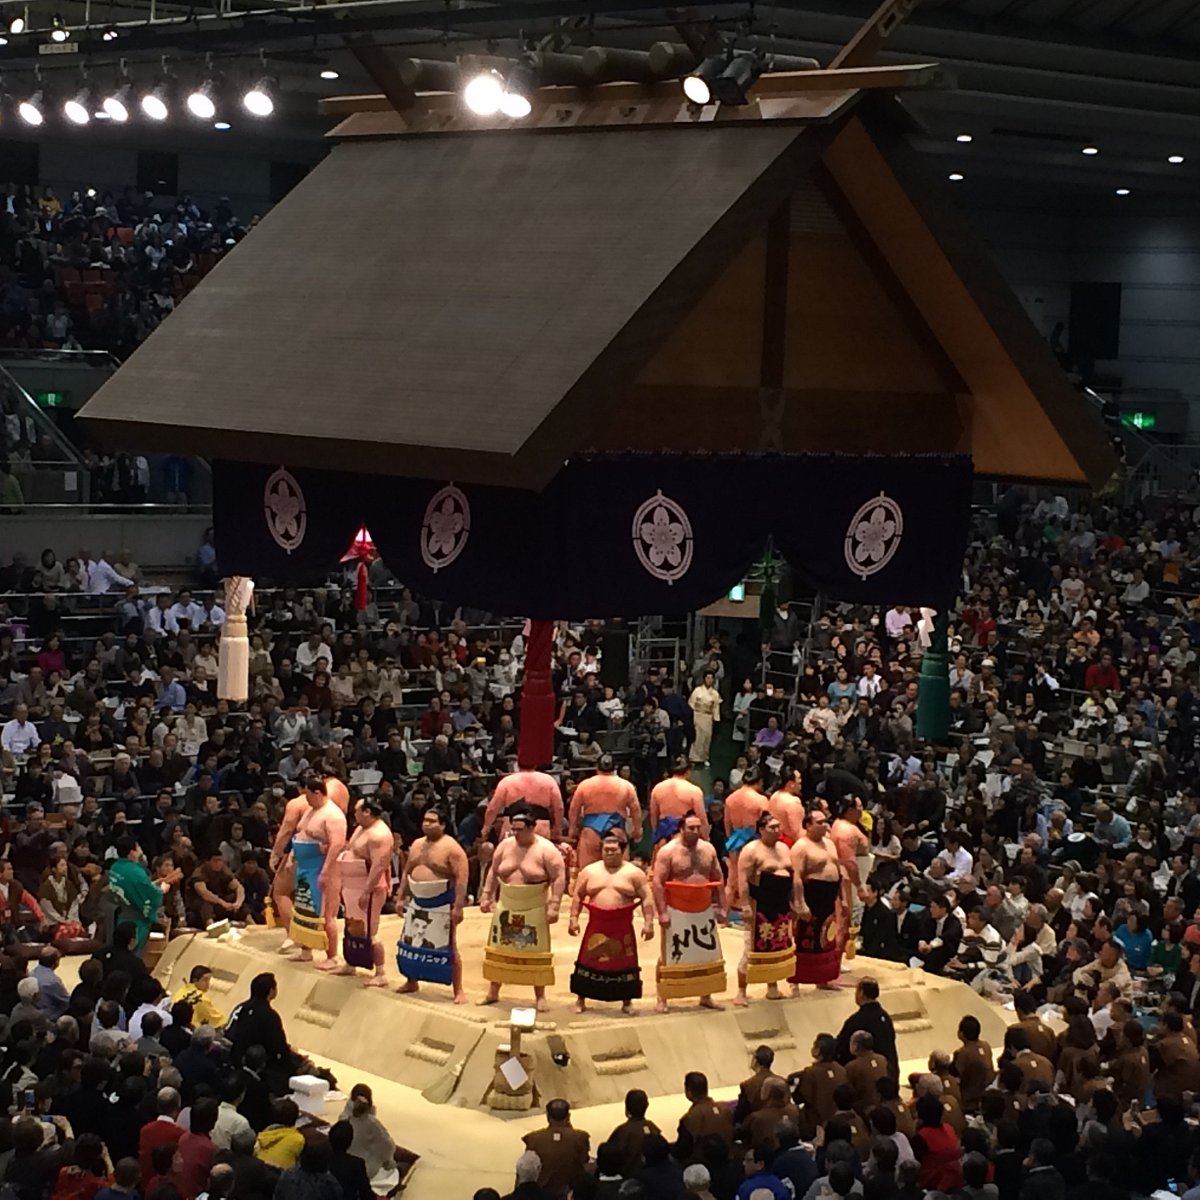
[[621, 272]]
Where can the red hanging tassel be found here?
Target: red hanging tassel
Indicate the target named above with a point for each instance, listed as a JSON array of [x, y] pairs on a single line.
[[362, 550]]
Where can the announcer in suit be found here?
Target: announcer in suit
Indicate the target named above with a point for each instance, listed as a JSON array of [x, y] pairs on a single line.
[[941, 936]]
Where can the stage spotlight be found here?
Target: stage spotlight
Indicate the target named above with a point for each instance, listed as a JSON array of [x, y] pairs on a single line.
[[698, 86], [1175, 159], [964, 138], [222, 126], [111, 33], [16, 25], [329, 73], [515, 102], [484, 94], [154, 103], [117, 105], [58, 31], [1090, 151], [200, 103], [259, 100], [732, 86], [30, 109], [77, 109]]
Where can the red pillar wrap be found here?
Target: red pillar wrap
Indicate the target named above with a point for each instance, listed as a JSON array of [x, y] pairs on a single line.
[[535, 743]]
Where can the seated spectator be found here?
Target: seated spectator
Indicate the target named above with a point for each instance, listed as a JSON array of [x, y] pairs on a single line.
[[279, 1145]]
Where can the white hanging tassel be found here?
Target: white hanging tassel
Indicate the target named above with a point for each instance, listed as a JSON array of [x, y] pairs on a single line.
[[925, 627], [233, 671]]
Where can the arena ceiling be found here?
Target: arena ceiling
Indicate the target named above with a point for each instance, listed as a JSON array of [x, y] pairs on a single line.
[[1035, 81]]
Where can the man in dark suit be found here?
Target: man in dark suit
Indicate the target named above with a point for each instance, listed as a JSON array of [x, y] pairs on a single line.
[[941, 936], [872, 1018], [1183, 883], [878, 929]]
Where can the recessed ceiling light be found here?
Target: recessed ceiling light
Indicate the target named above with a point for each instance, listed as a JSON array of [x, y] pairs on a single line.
[[1175, 158], [329, 73], [964, 138], [955, 177], [1122, 191], [222, 125], [1091, 150]]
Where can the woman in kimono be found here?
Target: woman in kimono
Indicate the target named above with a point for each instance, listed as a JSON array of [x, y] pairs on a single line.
[[705, 703]]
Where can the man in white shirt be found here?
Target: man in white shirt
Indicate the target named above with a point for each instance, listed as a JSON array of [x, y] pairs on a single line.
[[959, 862], [185, 608], [310, 652], [869, 684], [160, 617], [101, 577], [20, 735], [896, 620], [1136, 590], [961, 675]]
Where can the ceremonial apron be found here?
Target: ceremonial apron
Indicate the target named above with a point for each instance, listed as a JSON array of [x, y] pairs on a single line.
[[426, 947], [518, 945], [308, 924], [607, 966], [356, 936], [818, 952], [770, 949], [691, 963]]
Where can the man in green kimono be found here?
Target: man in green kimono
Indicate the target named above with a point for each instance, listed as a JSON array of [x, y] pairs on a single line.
[[138, 898]]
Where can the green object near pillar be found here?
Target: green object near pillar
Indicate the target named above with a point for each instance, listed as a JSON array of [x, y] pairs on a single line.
[[933, 690]]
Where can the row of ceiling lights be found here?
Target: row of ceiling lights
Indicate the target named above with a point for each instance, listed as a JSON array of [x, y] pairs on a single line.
[[723, 78], [1091, 151], [154, 102]]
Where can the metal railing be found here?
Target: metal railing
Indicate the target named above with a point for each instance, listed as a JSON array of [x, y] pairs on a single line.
[[1164, 467], [27, 409]]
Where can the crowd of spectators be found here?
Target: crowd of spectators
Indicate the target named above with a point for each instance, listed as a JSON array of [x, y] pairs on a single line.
[[101, 271], [1044, 852]]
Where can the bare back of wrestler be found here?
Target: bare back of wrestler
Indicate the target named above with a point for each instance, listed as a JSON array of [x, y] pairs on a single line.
[[603, 801], [284, 866], [687, 859], [325, 824], [372, 842], [437, 856], [787, 807], [671, 800]]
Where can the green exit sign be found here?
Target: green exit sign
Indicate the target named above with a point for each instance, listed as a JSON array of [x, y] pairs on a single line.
[[51, 399], [737, 593], [1139, 420]]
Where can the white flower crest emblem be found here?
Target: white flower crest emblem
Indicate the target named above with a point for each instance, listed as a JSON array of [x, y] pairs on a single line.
[[662, 538], [873, 535], [285, 510], [446, 528]]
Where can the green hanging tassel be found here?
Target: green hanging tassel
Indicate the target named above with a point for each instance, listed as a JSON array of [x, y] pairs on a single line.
[[933, 685], [766, 600]]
